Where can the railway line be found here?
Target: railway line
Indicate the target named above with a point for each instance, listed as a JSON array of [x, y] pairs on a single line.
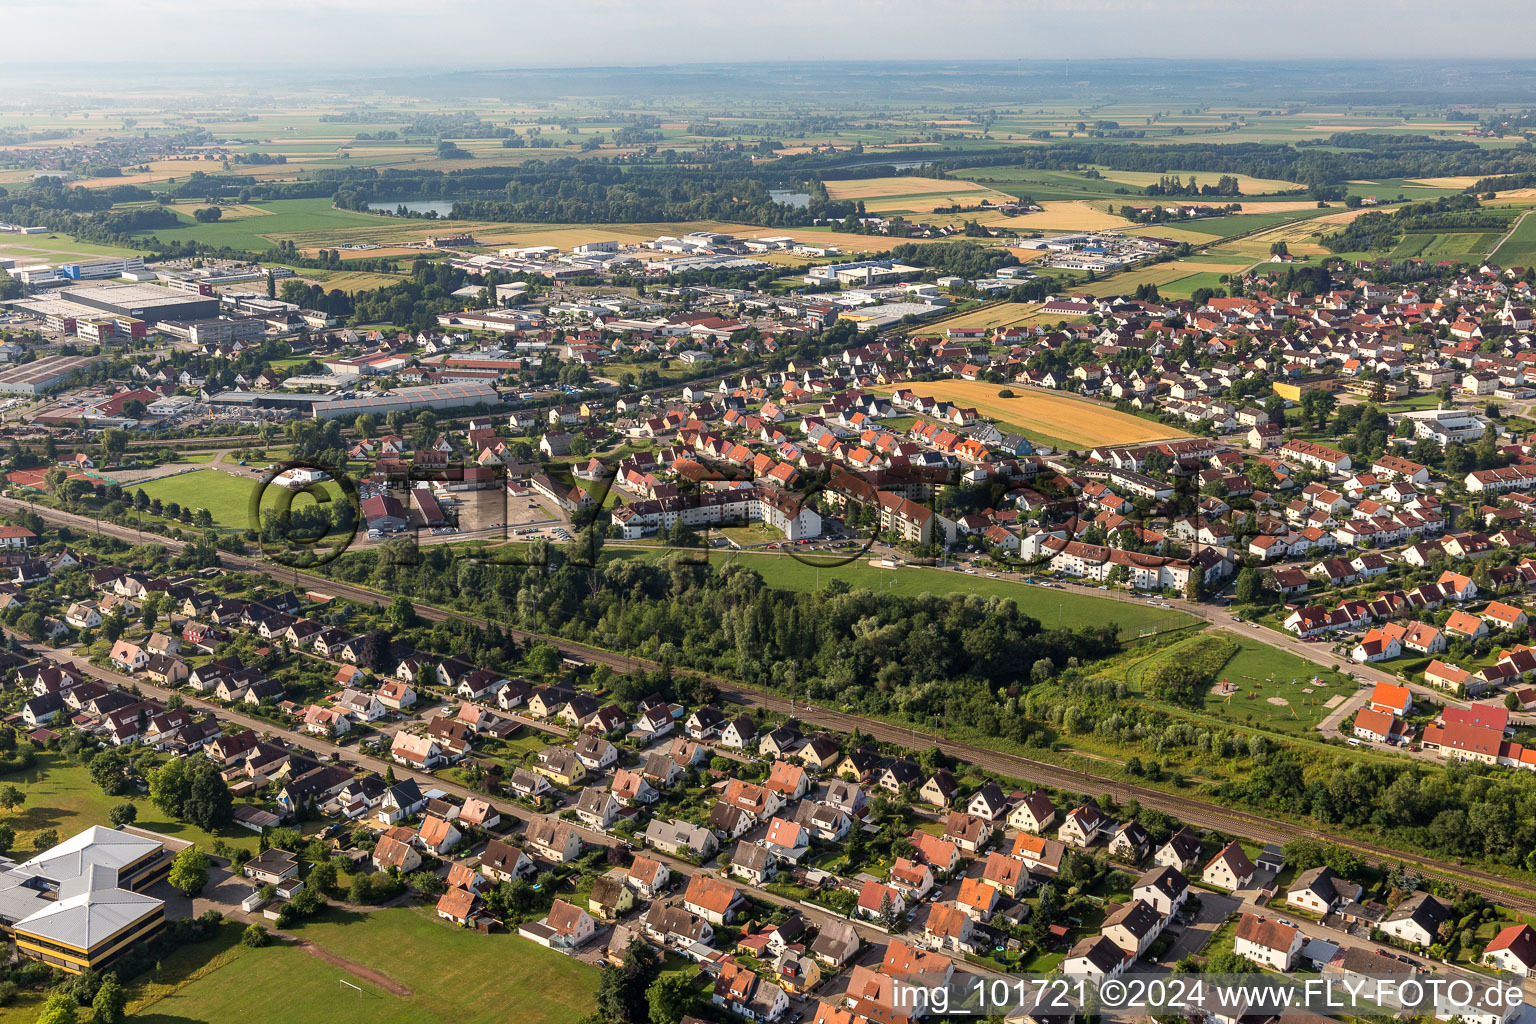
[[1193, 811]]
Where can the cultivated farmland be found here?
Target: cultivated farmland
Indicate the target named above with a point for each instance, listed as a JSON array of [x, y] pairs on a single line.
[[1073, 422]]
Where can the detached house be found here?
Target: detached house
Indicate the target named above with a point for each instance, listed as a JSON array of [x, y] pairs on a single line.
[[1230, 869]]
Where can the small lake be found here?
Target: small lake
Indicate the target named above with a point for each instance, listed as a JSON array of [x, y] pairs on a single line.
[[441, 207], [790, 197]]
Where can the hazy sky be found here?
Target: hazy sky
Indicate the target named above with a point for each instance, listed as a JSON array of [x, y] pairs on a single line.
[[421, 34]]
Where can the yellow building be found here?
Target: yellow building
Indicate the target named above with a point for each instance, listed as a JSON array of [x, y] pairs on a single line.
[[1292, 390], [82, 904]]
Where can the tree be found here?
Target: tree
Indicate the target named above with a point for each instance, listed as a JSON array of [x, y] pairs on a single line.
[[110, 1003], [124, 814], [7, 838], [621, 994], [323, 876], [11, 797], [671, 998], [190, 789], [1511, 701], [401, 614], [47, 839], [1195, 585], [255, 936], [189, 871], [109, 772], [207, 214], [60, 1008], [1250, 586]]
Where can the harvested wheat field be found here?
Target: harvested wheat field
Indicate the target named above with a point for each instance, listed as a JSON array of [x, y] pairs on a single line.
[[1299, 236], [1003, 314], [1061, 215], [1246, 184], [1057, 419], [1449, 181], [1268, 205], [901, 185]]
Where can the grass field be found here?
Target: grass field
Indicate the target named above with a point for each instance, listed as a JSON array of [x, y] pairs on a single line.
[[1261, 675], [1052, 607], [282, 217], [451, 972], [62, 796], [1069, 422], [226, 497]]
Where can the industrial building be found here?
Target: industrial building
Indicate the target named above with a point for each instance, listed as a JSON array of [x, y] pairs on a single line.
[[44, 275], [435, 396], [81, 905], [217, 331], [146, 302], [333, 406], [41, 375]]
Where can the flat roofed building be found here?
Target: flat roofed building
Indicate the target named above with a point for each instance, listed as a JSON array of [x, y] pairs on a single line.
[[81, 905]]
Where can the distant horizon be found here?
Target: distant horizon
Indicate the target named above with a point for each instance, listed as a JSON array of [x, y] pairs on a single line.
[[486, 35], [1165, 82]]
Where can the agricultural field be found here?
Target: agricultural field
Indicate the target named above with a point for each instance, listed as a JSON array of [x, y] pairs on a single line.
[[1066, 421], [25, 249], [1179, 278], [483, 978], [905, 195], [1519, 249], [1000, 315], [278, 219], [1078, 215], [1051, 607], [1248, 186], [1446, 245]]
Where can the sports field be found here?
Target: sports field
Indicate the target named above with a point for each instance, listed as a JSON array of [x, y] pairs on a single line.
[[227, 498], [1052, 607], [449, 972], [1068, 422]]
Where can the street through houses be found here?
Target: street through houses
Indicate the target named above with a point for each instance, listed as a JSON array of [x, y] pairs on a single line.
[[1194, 811]]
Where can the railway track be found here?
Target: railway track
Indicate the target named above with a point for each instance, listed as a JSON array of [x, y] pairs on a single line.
[[1193, 811]]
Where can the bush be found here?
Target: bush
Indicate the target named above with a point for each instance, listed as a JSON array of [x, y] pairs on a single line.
[[255, 936]]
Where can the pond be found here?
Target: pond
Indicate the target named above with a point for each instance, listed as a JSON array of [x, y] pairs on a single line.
[[790, 197], [441, 207]]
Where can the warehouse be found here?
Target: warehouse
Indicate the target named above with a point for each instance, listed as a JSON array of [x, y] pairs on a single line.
[[147, 302], [81, 905], [436, 396], [41, 375]]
